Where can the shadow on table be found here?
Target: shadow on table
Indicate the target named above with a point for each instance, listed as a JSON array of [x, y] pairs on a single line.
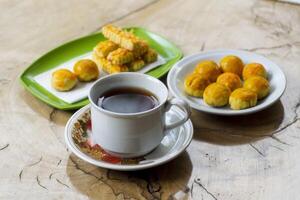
[[234, 130], [99, 183]]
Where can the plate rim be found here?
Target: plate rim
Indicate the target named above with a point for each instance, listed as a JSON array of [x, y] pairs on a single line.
[[70, 145], [222, 112], [79, 104]]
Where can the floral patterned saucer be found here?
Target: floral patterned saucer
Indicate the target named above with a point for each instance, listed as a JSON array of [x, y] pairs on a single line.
[[78, 133]]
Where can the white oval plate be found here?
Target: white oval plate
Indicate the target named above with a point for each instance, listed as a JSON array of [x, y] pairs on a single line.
[[185, 66], [173, 144]]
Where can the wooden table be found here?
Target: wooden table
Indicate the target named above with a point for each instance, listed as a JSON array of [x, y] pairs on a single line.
[[253, 157]]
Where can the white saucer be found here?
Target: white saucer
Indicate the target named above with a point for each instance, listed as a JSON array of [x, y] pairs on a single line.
[[173, 144], [185, 66]]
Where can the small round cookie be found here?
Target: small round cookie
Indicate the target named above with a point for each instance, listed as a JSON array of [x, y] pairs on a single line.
[[254, 69], [194, 84], [242, 98], [259, 85], [232, 64], [86, 70], [216, 95], [209, 69], [63, 80], [231, 80]]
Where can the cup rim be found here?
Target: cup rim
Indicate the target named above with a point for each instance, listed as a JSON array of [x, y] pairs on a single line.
[[116, 114]]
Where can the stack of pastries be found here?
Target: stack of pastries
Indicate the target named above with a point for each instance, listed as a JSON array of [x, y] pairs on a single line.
[[122, 52], [231, 82]]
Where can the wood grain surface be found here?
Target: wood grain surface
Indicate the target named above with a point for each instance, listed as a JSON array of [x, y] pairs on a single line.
[[252, 157]]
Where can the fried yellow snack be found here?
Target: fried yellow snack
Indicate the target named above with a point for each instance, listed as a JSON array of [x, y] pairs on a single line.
[[103, 48], [107, 66], [232, 64], [195, 84], [120, 56], [63, 80], [150, 56], [112, 33], [216, 95], [231, 80], [136, 65], [259, 85], [141, 49], [123, 38], [242, 98], [254, 69], [209, 69], [112, 69], [98, 60], [86, 70]]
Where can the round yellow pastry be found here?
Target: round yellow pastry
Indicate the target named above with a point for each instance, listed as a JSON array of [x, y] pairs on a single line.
[[195, 84], [63, 80], [216, 95], [231, 80], [232, 64], [209, 69], [259, 85], [86, 70], [242, 98], [254, 69]]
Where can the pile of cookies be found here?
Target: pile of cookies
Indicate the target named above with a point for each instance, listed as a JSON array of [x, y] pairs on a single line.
[[122, 52], [220, 85]]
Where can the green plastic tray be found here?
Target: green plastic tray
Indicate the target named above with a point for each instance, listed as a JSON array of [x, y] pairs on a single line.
[[82, 46]]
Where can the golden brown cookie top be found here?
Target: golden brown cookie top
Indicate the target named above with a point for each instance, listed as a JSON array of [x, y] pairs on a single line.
[[243, 94], [230, 80], [209, 69], [254, 69], [232, 64]]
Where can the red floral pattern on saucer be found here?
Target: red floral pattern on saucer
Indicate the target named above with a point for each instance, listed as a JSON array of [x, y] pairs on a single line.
[[81, 134]]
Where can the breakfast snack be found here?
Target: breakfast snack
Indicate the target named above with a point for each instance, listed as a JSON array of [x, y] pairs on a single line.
[[123, 38], [102, 49], [107, 66], [220, 85], [150, 56], [232, 64], [136, 65], [259, 85], [63, 80], [254, 69], [86, 70], [120, 56], [242, 98], [216, 95], [195, 84], [231, 80], [209, 69], [123, 51]]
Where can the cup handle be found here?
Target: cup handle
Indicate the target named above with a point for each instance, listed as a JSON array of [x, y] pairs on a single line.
[[182, 106]]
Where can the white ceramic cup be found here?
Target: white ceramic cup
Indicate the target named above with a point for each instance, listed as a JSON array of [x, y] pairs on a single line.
[[132, 134]]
